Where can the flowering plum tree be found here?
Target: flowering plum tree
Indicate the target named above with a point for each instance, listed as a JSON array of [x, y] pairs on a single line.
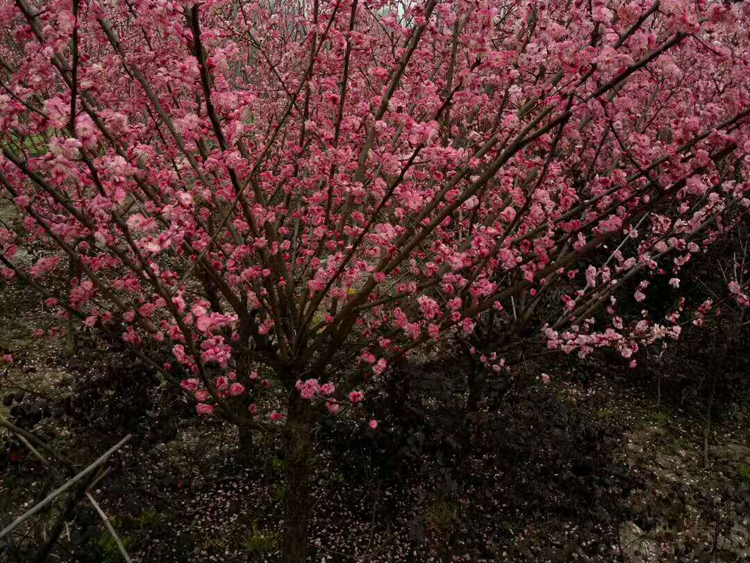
[[287, 197]]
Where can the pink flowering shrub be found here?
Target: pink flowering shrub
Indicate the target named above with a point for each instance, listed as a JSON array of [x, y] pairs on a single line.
[[302, 198]]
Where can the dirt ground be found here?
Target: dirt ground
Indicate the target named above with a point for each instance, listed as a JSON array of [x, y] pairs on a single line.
[[614, 477]]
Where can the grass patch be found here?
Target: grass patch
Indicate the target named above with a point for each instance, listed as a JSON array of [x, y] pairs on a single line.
[[443, 515], [33, 145], [605, 414], [258, 543], [109, 550], [659, 417]]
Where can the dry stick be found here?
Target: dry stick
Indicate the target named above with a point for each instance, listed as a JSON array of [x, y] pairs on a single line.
[[52, 496], [36, 453], [62, 521], [372, 521], [109, 526], [31, 438], [101, 476], [91, 498]]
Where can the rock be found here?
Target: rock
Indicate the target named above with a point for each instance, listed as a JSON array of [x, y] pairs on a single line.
[[636, 545], [22, 259], [736, 541], [735, 454]]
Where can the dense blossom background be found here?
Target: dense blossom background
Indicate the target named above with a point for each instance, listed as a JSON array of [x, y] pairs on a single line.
[[275, 204], [279, 181]]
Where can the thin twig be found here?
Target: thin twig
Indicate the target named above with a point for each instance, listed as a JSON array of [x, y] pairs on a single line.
[[372, 523], [95, 482], [111, 529], [32, 438], [36, 453], [52, 496]]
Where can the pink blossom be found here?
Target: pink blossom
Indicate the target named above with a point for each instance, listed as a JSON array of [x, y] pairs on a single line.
[[190, 384], [380, 366], [44, 265], [236, 389], [308, 389], [390, 214], [276, 416], [373, 424], [179, 353], [591, 276], [430, 308], [204, 408]]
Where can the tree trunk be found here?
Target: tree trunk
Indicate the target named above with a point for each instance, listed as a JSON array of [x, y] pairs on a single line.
[[709, 408], [297, 436], [658, 390], [70, 328], [397, 390], [246, 452], [245, 449], [476, 383], [727, 340]]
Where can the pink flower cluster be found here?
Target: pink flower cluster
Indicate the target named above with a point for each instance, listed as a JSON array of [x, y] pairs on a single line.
[[310, 388]]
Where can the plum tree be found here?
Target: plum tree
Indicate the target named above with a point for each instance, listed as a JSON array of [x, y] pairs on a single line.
[[287, 197]]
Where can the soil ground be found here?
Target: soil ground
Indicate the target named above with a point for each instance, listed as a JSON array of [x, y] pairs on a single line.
[[619, 479]]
